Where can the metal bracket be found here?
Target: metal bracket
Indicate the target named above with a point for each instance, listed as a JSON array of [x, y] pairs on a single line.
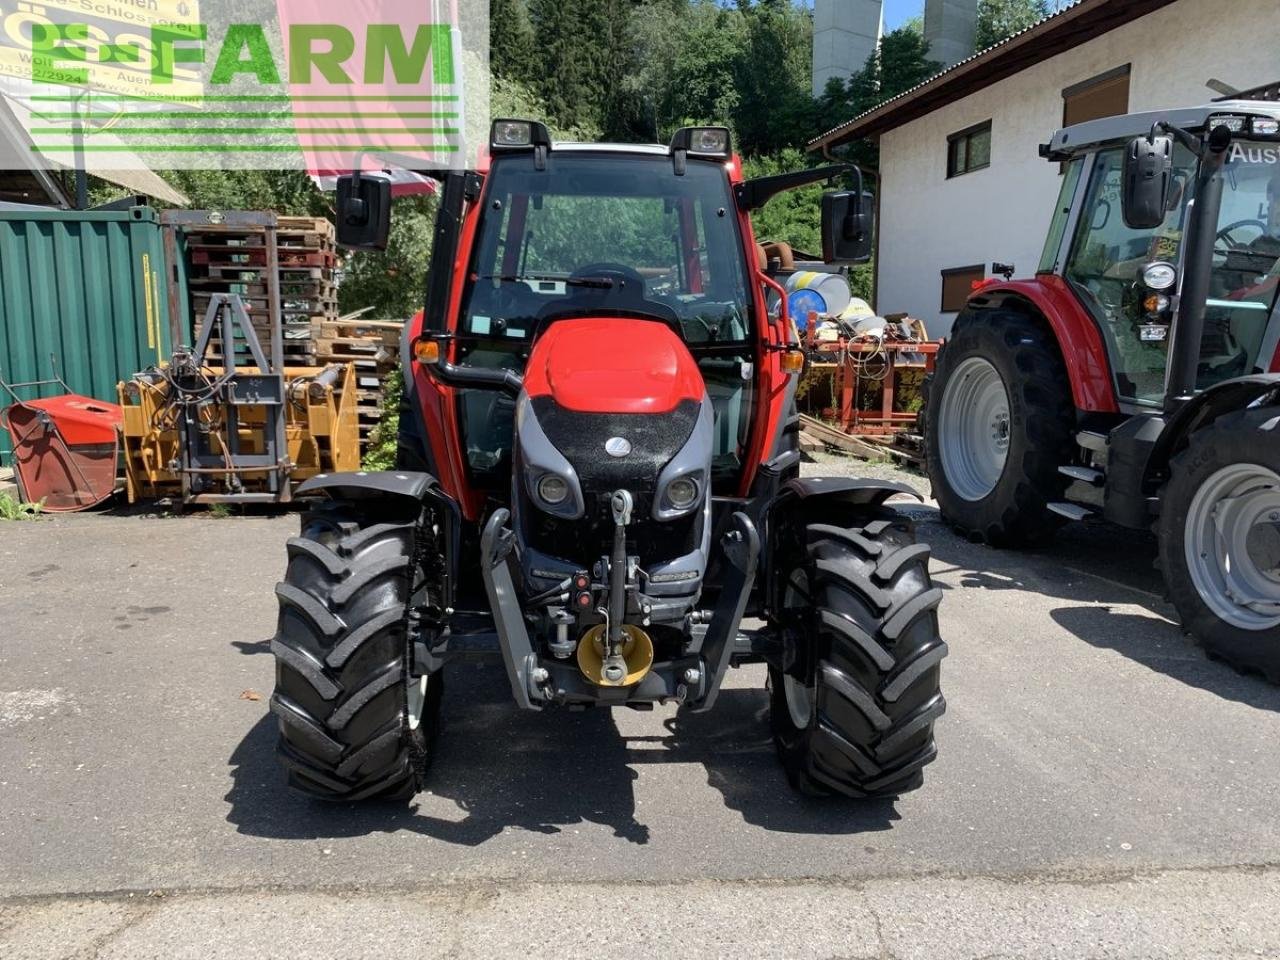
[[508, 617], [741, 543]]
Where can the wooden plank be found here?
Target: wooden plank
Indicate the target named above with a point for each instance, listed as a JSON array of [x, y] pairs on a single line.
[[824, 433]]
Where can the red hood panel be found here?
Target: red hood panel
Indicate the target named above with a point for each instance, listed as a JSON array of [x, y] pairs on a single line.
[[613, 365]]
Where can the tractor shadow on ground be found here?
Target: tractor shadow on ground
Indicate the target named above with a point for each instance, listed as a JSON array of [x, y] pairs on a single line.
[[499, 768], [1095, 569]]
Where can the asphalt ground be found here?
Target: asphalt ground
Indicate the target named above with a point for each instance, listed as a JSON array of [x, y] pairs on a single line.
[[1102, 788]]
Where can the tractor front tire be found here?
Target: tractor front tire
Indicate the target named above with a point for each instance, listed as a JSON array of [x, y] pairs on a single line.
[[1000, 423], [354, 723], [853, 708], [1219, 534]]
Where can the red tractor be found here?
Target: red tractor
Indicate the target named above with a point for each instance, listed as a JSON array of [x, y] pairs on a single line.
[[1136, 376], [598, 481]]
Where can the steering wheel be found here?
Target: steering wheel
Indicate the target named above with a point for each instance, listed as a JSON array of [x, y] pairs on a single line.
[[608, 270], [1223, 242], [631, 303]]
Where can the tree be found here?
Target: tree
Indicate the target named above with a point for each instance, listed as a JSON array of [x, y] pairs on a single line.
[[511, 41], [686, 56], [773, 76], [898, 64], [581, 54], [1001, 19]]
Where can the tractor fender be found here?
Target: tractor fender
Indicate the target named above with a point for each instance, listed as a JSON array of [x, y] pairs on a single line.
[[369, 484], [842, 489], [1259, 389], [405, 492], [797, 498], [1079, 340]]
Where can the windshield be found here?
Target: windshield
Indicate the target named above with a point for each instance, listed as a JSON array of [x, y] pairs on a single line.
[[1107, 258], [617, 234], [1246, 263]]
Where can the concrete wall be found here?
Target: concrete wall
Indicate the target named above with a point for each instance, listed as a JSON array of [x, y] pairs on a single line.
[[949, 26], [929, 223], [845, 34]]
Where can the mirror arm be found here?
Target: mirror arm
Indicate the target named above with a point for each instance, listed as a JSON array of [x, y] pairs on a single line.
[[1188, 140]]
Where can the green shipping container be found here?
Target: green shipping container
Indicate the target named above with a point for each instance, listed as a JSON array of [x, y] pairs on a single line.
[[87, 288]]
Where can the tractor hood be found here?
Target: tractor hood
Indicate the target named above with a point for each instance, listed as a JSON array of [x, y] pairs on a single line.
[[613, 365]]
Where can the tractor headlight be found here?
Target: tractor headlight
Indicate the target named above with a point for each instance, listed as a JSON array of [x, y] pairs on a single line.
[[552, 489], [682, 493], [1159, 276]]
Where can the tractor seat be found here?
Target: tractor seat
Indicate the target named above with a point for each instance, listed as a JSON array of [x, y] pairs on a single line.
[[778, 256]]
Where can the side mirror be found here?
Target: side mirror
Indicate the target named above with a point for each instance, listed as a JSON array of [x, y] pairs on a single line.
[[1148, 178], [364, 211], [847, 227]]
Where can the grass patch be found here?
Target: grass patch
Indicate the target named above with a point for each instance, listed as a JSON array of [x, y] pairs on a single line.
[[12, 508]]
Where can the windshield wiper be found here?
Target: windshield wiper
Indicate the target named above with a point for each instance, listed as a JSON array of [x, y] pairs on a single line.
[[600, 283]]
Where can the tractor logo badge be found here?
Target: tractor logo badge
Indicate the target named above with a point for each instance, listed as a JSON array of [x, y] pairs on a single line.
[[617, 446]]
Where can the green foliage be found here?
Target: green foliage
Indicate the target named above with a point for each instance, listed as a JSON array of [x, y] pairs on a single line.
[[773, 76], [13, 509], [1000, 19], [381, 454], [792, 217], [687, 57], [287, 192], [393, 281], [511, 40]]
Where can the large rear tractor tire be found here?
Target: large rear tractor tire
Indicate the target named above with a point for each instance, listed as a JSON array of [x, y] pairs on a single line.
[[355, 723], [1219, 533], [853, 708], [1000, 422]]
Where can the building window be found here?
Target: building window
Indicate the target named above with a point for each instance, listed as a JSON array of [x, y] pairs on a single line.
[[957, 284], [1106, 95], [969, 150]]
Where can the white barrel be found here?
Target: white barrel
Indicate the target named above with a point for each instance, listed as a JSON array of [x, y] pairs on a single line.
[[832, 287]]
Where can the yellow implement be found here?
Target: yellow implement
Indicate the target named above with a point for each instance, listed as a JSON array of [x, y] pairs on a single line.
[[322, 431]]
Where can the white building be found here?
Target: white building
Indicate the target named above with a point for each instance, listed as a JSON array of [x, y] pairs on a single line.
[[962, 184]]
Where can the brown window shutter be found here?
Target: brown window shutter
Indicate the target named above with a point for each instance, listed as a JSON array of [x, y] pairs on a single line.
[[957, 284], [1104, 96]]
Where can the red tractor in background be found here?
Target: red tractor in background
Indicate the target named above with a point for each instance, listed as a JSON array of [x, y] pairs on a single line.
[[1136, 376], [598, 480]]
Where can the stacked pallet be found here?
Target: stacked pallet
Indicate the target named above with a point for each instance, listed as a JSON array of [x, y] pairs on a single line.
[[373, 348], [222, 258]]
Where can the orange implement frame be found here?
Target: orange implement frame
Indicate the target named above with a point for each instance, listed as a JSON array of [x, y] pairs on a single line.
[[861, 366]]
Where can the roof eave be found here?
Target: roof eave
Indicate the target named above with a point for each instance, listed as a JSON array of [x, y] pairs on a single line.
[[1053, 35]]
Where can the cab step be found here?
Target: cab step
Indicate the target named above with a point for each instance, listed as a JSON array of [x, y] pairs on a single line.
[[1084, 474], [1097, 442], [1072, 511]]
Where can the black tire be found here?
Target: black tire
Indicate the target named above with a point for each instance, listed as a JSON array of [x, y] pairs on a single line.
[[862, 637], [1246, 437], [1041, 429], [343, 657]]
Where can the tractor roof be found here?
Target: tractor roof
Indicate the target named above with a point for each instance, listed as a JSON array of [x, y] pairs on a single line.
[[648, 149], [1093, 133]]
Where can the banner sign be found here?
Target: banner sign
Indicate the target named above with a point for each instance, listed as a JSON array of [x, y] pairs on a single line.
[[246, 83]]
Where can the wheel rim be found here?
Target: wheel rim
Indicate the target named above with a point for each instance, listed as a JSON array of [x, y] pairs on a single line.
[[417, 697], [799, 695], [1232, 528], [973, 429]]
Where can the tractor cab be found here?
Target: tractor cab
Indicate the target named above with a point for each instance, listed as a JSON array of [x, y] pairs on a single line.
[[1129, 274], [608, 231]]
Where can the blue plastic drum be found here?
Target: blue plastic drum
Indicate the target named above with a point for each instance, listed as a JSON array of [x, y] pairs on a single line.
[[801, 303]]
